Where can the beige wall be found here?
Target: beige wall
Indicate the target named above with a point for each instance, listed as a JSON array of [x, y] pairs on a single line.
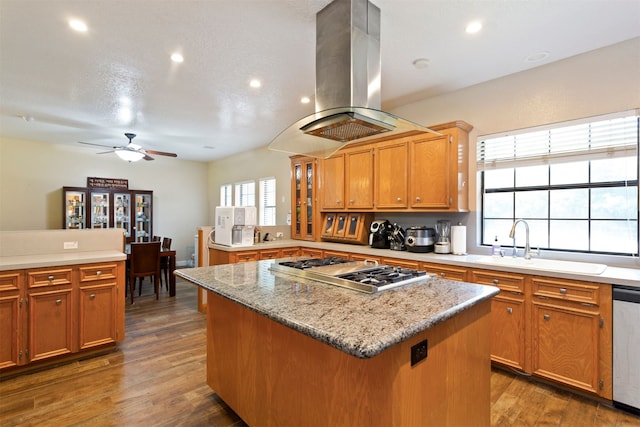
[[253, 165], [32, 175]]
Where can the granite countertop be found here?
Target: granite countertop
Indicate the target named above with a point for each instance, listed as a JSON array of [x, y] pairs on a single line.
[[362, 325], [19, 262]]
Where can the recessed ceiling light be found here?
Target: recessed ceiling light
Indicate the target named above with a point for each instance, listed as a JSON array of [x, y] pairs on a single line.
[[473, 27], [421, 63], [255, 83], [176, 57], [535, 57], [305, 100], [78, 25]]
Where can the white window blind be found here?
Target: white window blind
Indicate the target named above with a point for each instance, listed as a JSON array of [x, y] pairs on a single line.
[[268, 201], [245, 194], [614, 135], [226, 195]]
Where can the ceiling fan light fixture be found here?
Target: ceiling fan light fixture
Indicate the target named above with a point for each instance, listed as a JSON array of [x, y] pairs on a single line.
[[129, 155]]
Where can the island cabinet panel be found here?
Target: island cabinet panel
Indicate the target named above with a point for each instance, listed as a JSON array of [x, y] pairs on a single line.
[[391, 175], [272, 375], [11, 301], [572, 334]]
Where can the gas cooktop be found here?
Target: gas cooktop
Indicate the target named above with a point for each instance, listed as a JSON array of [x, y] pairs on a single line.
[[365, 276]]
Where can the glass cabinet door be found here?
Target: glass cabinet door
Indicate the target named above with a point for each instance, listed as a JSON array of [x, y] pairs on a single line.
[[75, 208], [100, 209], [122, 212], [143, 217], [298, 200], [309, 194]]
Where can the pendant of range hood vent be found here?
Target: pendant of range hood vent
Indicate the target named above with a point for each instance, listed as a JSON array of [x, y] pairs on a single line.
[[347, 73]]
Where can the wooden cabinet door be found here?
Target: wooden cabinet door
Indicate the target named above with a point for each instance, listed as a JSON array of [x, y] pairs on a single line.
[[333, 183], [270, 254], [50, 323], [446, 271], [391, 175], [11, 320], [98, 321], [508, 331], [245, 256], [430, 166], [565, 345], [359, 178]]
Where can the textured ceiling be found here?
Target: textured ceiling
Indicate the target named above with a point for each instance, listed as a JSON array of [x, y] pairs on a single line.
[[61, 87]]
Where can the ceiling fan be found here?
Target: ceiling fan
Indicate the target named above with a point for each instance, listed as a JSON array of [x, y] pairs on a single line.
[[131, 152]]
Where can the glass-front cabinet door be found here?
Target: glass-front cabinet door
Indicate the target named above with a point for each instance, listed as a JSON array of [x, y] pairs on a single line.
[[75, 200], [122, 213], [100, 204], [303, 190], [143, 229]]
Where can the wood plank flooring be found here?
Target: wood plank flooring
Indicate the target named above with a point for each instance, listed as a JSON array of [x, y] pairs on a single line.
[[157, 377]]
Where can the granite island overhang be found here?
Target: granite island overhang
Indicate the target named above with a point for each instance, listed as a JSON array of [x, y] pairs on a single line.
[[283, 350]]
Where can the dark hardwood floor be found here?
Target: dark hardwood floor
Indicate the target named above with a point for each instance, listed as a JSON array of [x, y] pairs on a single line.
[[157, 377]]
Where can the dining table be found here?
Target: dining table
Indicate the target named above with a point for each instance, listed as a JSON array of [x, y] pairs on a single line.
[[170, 254]]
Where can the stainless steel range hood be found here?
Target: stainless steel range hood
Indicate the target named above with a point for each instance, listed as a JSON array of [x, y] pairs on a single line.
[[347, 85]]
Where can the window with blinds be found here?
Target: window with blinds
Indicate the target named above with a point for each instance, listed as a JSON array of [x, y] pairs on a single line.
[[226, 195], [267, 212], [245, 194], [575, 183]]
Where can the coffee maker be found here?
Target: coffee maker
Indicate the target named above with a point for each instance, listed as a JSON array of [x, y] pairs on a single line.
[[443, 230], [379, 235], [235, 225]]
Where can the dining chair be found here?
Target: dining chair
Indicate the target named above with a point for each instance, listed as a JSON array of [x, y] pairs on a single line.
[[164, 263], [144, 262]]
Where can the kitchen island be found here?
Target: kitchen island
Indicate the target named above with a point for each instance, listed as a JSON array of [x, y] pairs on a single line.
[[283, 350]]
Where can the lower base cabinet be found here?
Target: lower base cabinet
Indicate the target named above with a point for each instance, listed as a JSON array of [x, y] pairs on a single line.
[[56, 312]]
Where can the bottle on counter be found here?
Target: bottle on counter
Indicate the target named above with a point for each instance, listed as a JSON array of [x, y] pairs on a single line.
[[496, 250]]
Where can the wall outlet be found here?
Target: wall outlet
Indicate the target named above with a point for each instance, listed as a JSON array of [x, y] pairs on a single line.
[[279, 235], [419, 352], [71, 245]]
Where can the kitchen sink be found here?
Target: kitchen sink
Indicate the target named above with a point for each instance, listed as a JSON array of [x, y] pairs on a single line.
[[545, 264]]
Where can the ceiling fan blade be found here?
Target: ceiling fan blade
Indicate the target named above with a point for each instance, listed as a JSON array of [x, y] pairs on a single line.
[[148, 157], [96, 145], [161, 153], [107, 152]]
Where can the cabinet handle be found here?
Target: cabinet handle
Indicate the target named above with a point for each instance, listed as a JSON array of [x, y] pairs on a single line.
[[563, 291], [496, 281], [418, 199], [546, 317], [509, 310], [58, 301], [50, 278], [398, 199], [337, 202], [92, 296], [351, 202], [443, 274], [98, 273]]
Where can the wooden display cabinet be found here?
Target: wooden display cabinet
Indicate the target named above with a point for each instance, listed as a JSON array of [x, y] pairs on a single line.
[[109, 208], [304, 224]]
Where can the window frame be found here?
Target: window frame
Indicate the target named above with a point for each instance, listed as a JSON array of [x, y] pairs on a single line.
[[514, 189]]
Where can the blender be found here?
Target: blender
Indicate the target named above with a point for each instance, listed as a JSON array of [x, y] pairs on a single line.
[[443, 229]]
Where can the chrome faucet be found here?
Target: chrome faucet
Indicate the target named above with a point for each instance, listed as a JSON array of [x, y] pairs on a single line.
[[527, 247]]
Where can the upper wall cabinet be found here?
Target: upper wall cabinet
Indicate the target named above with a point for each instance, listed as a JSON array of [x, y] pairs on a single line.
[[418, 172]]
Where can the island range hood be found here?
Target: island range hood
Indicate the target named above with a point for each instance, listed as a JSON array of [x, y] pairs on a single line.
[[347, 96]]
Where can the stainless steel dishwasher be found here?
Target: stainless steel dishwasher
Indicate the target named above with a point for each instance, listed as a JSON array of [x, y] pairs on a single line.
[[626, 348]]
